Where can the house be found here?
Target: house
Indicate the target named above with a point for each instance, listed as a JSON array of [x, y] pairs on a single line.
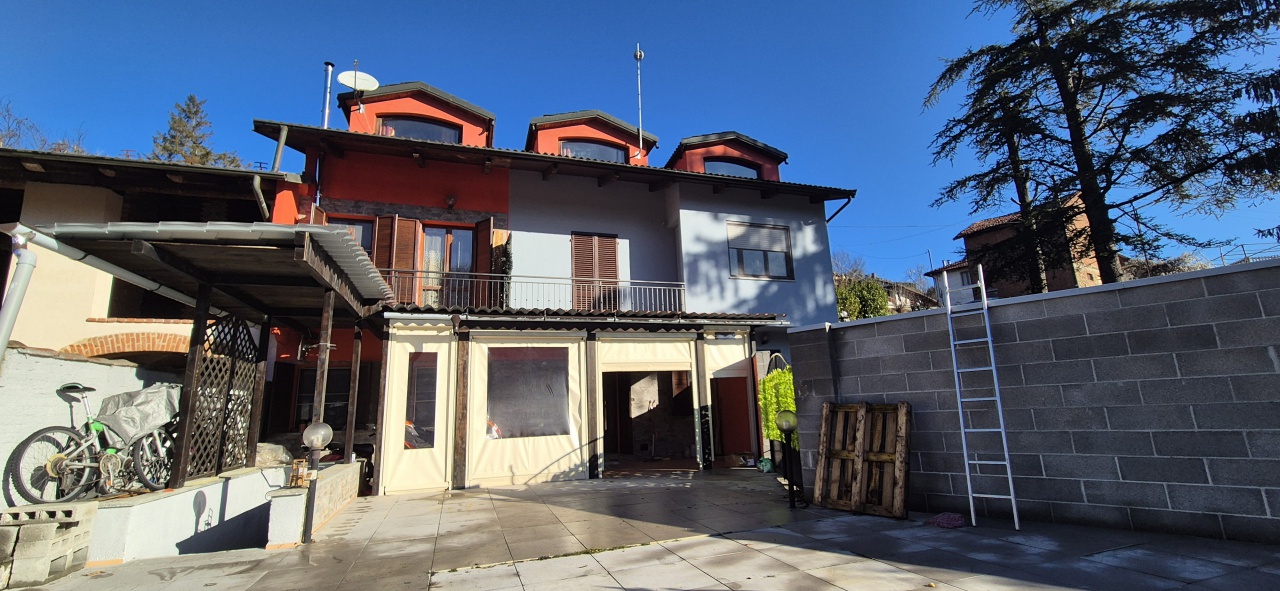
[[554, 309], [993, 240]]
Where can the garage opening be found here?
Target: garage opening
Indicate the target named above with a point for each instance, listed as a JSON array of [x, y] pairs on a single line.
[[648, 422]]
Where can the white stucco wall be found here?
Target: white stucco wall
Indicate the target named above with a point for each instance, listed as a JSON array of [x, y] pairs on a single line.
[[807, 299], [543, 214]]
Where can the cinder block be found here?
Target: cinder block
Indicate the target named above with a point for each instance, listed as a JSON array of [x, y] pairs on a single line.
[[1004, 312], [1262, 387], [1238, 415], [900, 326], [1126, 319], [1150, 417], [1080, 303], [1135, 367], [1270, 302], [930, 380], [1097, 515], [6, 568], [1070, 419], [1090, 347], [935, 421], [1031, 396], [945, 503], [1244, 281], [1026, 465], [1078, 466], [1187, 470], [1264, 444], [1170, 340], [880, 346], [1049, 489], [906, 362], [1003, 333], [1217, 499], [1101, 394], [1176, 522], [883, 383], [1214, 309], [941, 359], [1024, 352], [941, 462], [1160, 293], [8, 538], [1201, 444], [1273, 500], [1033, 442], [1119, 443], [854, 333], [35, 540], [1126, 494], [926, 341], [1251, 529], [1226, 362], [861, 366], [1216, 389], [1245, 472], [919, 400], [1052, 328], [1255, 332], [928, 441], [1058, 372]]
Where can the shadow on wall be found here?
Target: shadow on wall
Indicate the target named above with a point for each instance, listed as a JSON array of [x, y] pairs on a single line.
[[213, 532]]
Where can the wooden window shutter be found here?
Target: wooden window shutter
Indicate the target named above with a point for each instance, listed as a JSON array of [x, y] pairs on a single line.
[[384, 230], [395, 252], [404, 254], [486, 292], [606, 257], [595, 270]]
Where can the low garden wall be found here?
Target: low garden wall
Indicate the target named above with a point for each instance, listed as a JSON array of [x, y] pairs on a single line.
[[1152, 404]]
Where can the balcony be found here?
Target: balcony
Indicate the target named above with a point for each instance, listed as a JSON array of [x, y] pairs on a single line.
[[480, 290]]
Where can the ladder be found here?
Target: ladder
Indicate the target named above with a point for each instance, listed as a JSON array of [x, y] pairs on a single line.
[[971, 407]]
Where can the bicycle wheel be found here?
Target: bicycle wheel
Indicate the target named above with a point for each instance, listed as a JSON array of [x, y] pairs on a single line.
[[153, 459], [51, 465]]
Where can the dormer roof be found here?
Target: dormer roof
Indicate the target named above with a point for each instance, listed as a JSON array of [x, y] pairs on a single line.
[[722, 137], [563, 119], [407, 88]]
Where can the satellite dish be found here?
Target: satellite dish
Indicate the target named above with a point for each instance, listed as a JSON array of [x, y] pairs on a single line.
[[357, 81]]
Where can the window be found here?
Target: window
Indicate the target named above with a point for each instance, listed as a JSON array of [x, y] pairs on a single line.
[[759, 251], [595, 271], [528, 392], [336, 394], [420, 129], [446, 251], [420, 406], [593, 150], [360, 230], [731, 167]]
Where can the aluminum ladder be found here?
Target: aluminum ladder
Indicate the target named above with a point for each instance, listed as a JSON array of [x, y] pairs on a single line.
[[965, 348]]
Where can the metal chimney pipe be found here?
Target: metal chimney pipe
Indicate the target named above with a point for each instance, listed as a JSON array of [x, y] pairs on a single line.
[[23, 267], [328, 89]]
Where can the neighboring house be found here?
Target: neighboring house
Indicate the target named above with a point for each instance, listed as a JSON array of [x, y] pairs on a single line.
[[904, 297], [1081, 271], [553, 306], [73, 308]]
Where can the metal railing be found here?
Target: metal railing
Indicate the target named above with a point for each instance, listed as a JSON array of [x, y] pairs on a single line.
[[483, 290]]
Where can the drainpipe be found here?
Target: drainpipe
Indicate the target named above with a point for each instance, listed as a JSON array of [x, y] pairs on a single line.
[[75, 254], [846, 203], [262, 201], [22, 270]]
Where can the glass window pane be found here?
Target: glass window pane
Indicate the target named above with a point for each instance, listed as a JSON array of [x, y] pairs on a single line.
[[335, 396], [593, 150], [361, 231], [730, 168], [420, 409], [753, 262], [460, 251], [777, 263], [422, 129], [528, 392]]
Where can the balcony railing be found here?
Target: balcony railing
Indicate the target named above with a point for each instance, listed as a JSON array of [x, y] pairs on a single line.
[[481, 290]]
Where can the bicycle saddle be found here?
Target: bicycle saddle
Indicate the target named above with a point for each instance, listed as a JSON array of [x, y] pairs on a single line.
[[76, 388]]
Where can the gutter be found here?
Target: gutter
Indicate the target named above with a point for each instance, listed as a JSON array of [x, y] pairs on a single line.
[[23, 268], [846, 203]]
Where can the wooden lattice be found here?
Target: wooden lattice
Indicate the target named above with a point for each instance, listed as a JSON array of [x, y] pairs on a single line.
[[225, 377]]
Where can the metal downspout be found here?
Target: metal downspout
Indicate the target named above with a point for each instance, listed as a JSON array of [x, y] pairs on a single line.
[[262, 201], [23, 268], [846, 203]]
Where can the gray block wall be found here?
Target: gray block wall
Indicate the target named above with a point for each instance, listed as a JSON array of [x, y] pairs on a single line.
[[1151, 405]]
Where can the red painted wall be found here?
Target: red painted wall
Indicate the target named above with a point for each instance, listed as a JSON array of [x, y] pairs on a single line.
[[476, 130], [693, 159], [287, 347], [547, 139], [390, 179], [290, 199]]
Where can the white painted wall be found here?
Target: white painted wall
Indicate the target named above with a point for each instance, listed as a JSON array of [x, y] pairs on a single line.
[[807, 299], [28, 393]]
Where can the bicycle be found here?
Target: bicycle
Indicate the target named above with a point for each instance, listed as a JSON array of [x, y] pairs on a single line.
[[59, 464]]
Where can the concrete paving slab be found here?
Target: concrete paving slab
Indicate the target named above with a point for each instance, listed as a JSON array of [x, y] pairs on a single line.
[[1164, 564], [545, 548], [676, 576], [702, 547], [812, 555], [741, 566], [871, 575], [590, 583], [491, 578], [636, 557], [1241, 579], [1082, 573], [788, 581], [769, 537], [563, 568]]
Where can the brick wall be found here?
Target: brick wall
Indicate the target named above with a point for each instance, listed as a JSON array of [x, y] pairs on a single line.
[[1150, 405]]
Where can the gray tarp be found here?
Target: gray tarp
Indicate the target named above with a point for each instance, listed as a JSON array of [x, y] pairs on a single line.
[[130, 415]]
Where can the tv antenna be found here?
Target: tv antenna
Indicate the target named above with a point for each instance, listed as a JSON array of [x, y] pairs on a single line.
[[359, 82], [639, 55]]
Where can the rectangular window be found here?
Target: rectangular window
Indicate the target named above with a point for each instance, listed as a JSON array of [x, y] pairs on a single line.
[[594, 261], [757, 250], [336, 394], [447, 251], [528, 392], [420, 405], [360, 230]]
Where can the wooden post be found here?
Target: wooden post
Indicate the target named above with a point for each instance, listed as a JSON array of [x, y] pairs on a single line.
[[350, 437], [382, 425], [706, 453], [594, 443], [322, 364], [259, 385], [187, 400], [459, 480]]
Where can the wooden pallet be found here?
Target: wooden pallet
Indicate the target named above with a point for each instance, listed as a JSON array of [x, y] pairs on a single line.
[[862, 458]]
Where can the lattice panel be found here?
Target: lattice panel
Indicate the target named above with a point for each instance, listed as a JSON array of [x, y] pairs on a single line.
[[226, 374]]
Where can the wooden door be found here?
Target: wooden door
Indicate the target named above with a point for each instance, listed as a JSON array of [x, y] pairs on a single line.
[[595, 272], [395, 253]]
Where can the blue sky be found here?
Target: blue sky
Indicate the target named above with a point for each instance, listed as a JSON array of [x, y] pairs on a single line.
[[838, 85]]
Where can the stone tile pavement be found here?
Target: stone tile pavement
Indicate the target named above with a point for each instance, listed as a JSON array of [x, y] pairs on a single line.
[[727, 530]]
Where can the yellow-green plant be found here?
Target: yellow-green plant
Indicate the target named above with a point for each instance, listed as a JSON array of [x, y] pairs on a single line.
[[777, 392]]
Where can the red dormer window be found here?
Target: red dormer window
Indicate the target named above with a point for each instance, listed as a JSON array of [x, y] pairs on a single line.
[[593, 150], [732, 167], [420, 128]]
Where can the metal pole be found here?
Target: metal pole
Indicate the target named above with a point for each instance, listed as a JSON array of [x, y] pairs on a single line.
[[791, 471], [328, 90], [308, 518], [348, 448], [639, 55], [24, 266]]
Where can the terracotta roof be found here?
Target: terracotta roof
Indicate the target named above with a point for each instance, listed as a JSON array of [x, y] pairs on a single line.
[[989, 224], [543, 121], [694, 141], [410, 87]]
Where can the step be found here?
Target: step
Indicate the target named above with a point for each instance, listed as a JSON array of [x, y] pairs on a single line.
[[986, 496], [972, 369]]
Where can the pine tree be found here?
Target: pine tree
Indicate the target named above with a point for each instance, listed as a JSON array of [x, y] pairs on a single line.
[[1123, 103], [187, 138]]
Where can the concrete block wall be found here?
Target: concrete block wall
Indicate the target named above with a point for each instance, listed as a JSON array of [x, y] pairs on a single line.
[[1151, 405], [42, 544]]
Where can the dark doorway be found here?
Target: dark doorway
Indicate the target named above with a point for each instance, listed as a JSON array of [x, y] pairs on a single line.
[[648, 420]]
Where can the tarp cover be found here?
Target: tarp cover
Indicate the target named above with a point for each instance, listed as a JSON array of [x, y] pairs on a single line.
[[130, 415]]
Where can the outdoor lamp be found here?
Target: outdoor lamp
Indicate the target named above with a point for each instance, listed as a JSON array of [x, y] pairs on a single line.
[[316, 436], [787, 423]]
